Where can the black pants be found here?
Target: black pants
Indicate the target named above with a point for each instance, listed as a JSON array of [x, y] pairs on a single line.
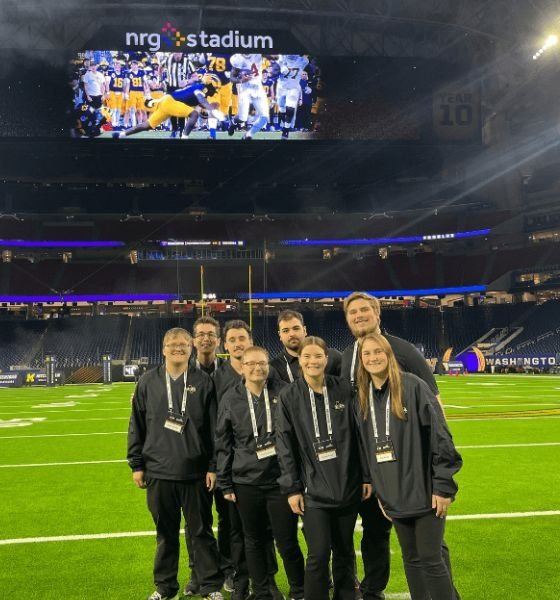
[[329, 529], [166, 501], [257, 506], [238, 554], [224, 546], [420, 539], [376, 553]]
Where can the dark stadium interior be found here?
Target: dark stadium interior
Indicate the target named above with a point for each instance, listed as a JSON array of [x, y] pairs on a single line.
[[391, 158]]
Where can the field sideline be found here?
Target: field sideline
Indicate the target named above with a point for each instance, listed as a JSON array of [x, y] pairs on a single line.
[[72, 524]]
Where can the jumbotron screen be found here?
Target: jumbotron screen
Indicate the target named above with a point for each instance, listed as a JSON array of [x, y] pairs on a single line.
[[180, 96]]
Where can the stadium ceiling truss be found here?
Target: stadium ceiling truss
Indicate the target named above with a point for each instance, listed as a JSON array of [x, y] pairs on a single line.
[[469, 31]]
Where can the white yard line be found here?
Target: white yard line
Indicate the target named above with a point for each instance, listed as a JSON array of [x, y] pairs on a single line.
[[61, 464], [453, 420], [58, 435], [129, 534], [69, 410], [529, 445]]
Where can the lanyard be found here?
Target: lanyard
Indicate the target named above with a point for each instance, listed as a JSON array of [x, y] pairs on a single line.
[[353, 367], [252, 412], [289, 370], [314, 412], [170, 396], [372, 411]]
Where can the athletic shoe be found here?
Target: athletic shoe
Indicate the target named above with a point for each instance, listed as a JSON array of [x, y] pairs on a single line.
[[191, 589], [285, 134], [214, 596], [228, 584], [184, 136], [118, 134], [157, 596], [231, 129], [174, 134], [247, 137]]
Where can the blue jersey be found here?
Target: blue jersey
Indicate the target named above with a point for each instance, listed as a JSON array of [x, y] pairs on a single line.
[[187, 94]]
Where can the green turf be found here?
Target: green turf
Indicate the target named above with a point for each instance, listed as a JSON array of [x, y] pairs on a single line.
[[493, 559], [222, 135]]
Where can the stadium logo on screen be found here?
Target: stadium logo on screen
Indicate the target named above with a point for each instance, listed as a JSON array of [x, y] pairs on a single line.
[[172, 38]]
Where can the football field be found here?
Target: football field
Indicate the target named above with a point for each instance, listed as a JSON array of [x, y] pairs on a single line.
[[73, 525], [221, 135]]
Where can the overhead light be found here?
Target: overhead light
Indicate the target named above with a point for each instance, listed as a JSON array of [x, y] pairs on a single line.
[[133, 257], [66, 257], [7, 256]]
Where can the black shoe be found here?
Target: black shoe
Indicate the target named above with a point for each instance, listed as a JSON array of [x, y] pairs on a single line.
[[231, 129], [274, 591], [191, 589], [240, 594]]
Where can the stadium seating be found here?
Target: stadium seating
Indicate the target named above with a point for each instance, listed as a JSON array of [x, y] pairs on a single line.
[[81, 341]]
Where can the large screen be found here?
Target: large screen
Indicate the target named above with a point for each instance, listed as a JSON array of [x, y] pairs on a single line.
[[171, 96]]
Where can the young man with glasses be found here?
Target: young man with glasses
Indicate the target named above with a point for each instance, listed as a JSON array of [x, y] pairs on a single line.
[[206, 339], [237, 338], [248, 472], [171, 454], [206, 334]]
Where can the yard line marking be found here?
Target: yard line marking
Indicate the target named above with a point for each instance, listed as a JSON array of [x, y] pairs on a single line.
[[50, 435], [512, 515], [459, 420], [102, 462], [507, 404], [129, 534], [529, 445], [59, 464], [457, 406], [73, 410]]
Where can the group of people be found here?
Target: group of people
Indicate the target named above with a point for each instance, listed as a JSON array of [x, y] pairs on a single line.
[[312, 433], [250, 91]]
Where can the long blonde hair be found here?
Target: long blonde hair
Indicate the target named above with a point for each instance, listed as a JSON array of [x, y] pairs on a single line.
[[394, 378]]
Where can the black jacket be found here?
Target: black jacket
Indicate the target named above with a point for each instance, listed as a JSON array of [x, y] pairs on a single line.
[[333, 483], [426, 459], [409, 358], [160, 452], [281, 362], [235, 442]]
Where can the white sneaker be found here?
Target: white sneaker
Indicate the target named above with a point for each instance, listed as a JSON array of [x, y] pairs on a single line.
[[157, 596], [214, 596], [184, 136]]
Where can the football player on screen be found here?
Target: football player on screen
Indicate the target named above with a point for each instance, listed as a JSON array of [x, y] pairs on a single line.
[[137, 88], [185, 102], [219, 65], [115, 99], [246, 72], [288, 91]]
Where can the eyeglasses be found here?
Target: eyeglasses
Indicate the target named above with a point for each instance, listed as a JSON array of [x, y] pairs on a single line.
[[252, 364], [209, 335]]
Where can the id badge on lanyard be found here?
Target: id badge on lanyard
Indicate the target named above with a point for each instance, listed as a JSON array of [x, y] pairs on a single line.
[[325, 449], [265, 447], [384, 449], [174, 421]]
